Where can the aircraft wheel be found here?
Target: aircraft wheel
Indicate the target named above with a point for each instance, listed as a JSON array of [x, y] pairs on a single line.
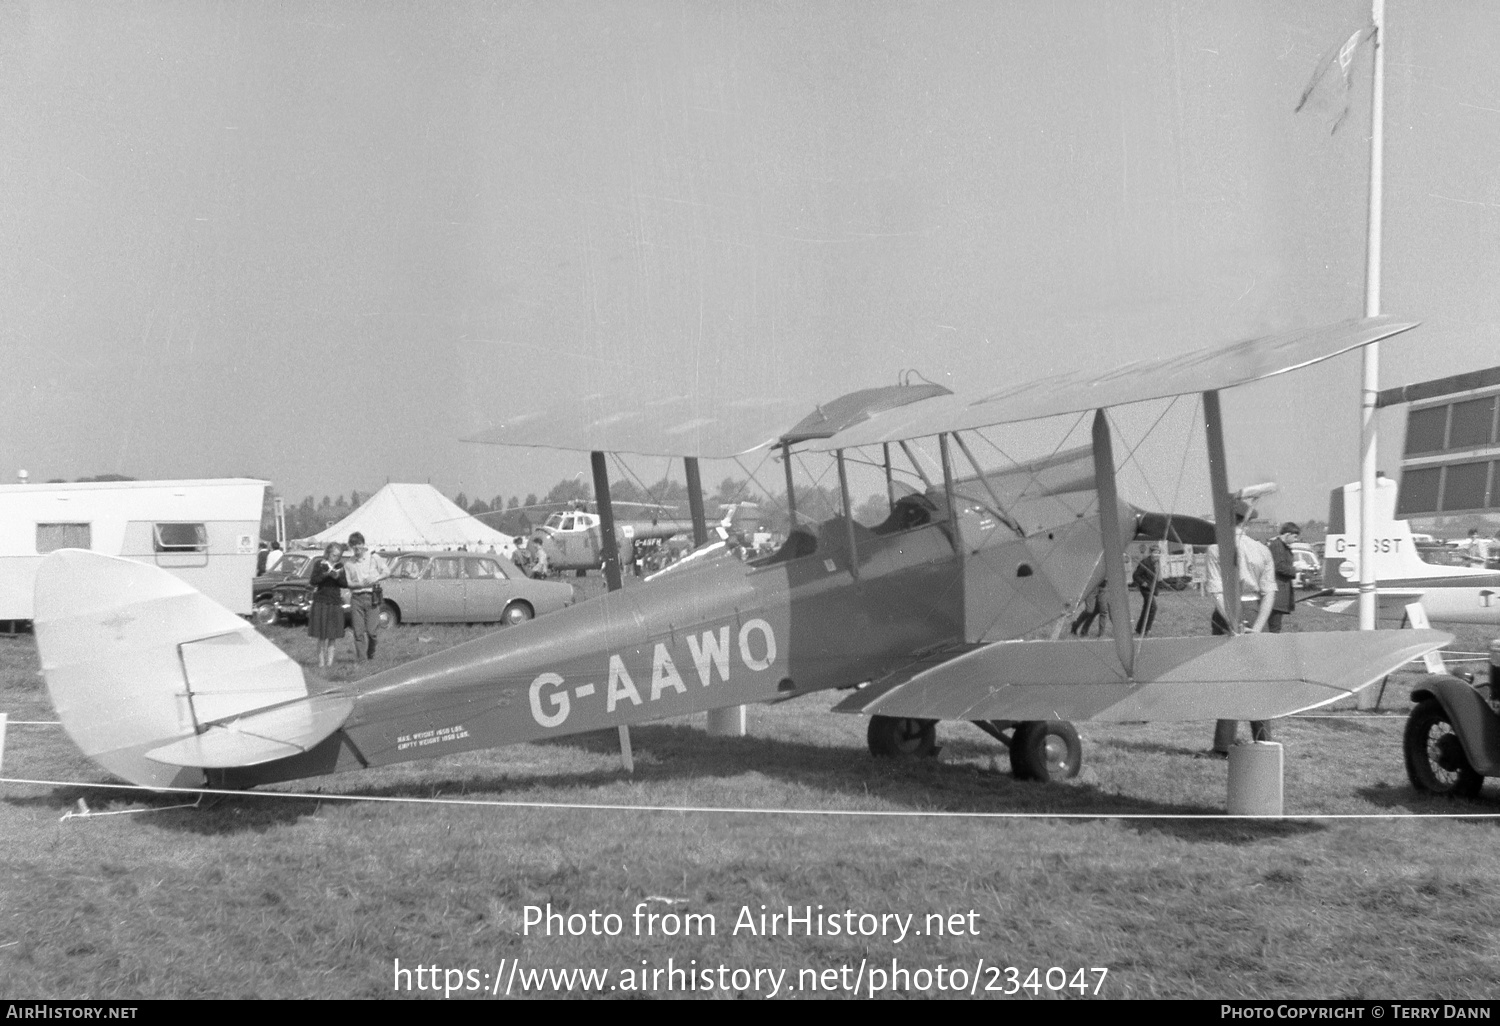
[[389, 616], [516, 612], [901, 737], [1045, 750], [265, 614], [1435, 760]]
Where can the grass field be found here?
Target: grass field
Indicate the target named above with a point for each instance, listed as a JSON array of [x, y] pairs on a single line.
[[277, 896]]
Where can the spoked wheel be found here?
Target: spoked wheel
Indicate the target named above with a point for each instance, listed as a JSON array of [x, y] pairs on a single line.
[[901, 737], [1045, 750], [1435, 759]]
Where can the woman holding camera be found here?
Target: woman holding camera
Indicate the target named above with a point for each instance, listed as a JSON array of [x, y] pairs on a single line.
[[326, 620]]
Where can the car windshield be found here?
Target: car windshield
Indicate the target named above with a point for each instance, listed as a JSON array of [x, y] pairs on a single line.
[[293, 566]]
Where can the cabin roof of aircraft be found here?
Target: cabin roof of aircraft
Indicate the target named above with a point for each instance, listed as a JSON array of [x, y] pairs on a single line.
[[704, 427]]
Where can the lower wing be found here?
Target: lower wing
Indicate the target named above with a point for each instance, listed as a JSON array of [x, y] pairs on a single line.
[[1242, 677]]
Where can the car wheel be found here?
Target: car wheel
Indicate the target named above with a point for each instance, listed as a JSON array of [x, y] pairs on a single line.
[[1045, 750], [902, 737], [389, 616], [516, 612], [265, 614], [1435, 759]]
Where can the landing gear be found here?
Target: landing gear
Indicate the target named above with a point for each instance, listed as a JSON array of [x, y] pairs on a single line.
[[1435, 759], [898, 737], [1044, 750]]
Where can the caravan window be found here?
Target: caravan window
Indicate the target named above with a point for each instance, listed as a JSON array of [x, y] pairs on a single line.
[[181, 538], [51, 537]]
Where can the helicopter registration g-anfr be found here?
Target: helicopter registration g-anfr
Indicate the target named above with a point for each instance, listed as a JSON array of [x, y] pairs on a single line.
[[925, 610]]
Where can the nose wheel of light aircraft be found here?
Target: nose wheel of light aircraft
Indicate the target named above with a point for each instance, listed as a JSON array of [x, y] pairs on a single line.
[[901, 737]]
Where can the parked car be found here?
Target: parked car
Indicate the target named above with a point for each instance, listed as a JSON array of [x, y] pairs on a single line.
[[263, 590], [463, 587], [1309, 570]]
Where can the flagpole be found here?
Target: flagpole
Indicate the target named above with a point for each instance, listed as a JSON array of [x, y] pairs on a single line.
[[1371, 352]]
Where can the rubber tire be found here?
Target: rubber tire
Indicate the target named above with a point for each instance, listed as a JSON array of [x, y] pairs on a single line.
[[1045, 750], [265, 614], [902, 737], [516, 613], [390, 616], [1428, 727]]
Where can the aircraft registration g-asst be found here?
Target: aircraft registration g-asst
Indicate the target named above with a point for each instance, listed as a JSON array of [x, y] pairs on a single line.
[[922, 616], [1453, 594], [1451, 467]]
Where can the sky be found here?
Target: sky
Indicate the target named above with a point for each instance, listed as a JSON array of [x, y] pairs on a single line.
[[320, 243]]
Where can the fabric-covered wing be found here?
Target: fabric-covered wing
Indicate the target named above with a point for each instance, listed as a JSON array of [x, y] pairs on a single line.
[[1245, 677], [673, 426], [1215, 367]]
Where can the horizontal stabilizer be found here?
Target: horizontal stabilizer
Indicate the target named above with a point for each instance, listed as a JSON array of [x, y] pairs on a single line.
[[258, 737], [1245, 677], [136, 659]]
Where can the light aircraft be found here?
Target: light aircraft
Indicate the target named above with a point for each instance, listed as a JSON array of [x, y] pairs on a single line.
[[1452, 594], [923, 617], [573, 540]]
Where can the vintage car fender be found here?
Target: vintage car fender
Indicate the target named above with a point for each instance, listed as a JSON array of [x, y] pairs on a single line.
[[1475, 723]]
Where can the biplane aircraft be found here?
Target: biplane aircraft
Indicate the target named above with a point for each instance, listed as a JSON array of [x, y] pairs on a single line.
[[923, 617]]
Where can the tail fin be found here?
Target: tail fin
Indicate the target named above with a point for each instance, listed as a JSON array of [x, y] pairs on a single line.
[[1332, 561], [153, 680]]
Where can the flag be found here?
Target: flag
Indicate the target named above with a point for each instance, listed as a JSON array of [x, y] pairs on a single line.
[[1343, 56]]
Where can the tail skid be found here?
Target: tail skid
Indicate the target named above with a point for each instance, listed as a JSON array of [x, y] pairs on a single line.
[[154, 681]]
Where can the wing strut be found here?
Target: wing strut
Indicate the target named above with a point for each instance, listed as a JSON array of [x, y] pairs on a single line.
[[1114, 545], [791, 492], [611, 549], [1218, 481], [953, 517], [848, 515], [695, 501]]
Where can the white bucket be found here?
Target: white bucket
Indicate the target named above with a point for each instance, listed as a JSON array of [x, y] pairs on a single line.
[[1255, 779]]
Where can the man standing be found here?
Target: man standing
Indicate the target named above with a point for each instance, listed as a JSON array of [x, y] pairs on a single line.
[[365, 570], [1286, 575], [1256, 580]]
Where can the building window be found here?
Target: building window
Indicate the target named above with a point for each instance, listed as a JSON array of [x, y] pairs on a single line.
[[181, 538], [1473, 424], [1426, 430], [51, 537]]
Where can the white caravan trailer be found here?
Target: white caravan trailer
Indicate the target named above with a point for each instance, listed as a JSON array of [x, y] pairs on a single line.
[[206, 532]]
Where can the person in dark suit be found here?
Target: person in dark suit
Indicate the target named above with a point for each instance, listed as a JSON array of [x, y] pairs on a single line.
[[326, 619], [1286, 575]]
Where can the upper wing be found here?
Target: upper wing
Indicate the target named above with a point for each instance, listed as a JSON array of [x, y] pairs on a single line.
[[1244, 677], [673, 426], [1214, 367], [710, 428]]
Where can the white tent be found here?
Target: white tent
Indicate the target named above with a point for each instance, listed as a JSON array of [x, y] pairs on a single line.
[[414, 516]]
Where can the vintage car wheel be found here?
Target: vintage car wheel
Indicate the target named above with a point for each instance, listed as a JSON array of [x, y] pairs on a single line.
[[1435, 759], [902, 737], [265, 614], [1045, 750], [389, 616], [516, 612]]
